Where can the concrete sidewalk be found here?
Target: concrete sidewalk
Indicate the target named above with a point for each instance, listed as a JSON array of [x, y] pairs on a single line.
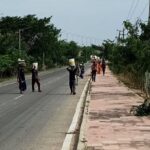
[[109, 124]]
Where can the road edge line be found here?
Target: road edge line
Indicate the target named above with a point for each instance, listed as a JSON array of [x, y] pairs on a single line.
[[67, 144]]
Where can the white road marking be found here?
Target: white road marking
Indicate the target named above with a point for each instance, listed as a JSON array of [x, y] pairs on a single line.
[[68, 139], [6, 84], [18, 97]]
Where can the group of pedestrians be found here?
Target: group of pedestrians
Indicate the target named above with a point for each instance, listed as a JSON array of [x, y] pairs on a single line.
[[75, 71], [21, 77], [96, 68]]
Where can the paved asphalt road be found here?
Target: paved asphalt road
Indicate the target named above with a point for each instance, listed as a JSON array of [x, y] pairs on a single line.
[[37, 121]]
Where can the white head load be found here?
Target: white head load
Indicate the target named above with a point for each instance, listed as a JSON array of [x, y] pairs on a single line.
[[72, 62], [35, 64], [21, 62]]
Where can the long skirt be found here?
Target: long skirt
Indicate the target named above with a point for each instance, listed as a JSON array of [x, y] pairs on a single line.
[[22, 85]]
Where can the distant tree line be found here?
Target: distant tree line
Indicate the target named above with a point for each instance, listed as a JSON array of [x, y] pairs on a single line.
[[130, 56], [35, 40]]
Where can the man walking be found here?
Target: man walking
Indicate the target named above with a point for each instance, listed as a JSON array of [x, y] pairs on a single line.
[[35, 79], [72, 73]]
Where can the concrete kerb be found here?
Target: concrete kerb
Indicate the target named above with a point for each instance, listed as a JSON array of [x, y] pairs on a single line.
[[71, 139], [82, 143]]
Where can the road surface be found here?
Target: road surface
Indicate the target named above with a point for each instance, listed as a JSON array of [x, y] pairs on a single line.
[[37, 121]]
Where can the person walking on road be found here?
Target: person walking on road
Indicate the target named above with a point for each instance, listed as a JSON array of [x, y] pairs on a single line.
[[21, 78], [94, 70], [72, 73], [103, 66], [35, 79], [77, 73], [82, 71]]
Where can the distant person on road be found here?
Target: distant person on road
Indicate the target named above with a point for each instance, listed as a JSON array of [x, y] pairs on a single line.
[[82, 70], [77, 72], [94, 70], [21, 78], [99, 67], [35, 79], [103, 66], [72, 72]]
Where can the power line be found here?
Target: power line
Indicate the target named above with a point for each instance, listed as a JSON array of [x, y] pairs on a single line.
[[83, 40], [132, 4], [149, 13], [137, 2], [143, 10]]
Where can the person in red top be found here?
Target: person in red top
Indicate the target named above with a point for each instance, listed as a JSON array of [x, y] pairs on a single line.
[[99, 67]]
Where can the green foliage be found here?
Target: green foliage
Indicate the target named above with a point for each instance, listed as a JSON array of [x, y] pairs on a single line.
[[130, 56], [106, 46], [145, 35], [6, 65], [86, 52], [38, 38], [141, 110]]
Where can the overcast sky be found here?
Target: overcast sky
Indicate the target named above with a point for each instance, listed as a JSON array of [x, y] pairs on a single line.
[[84, 21]]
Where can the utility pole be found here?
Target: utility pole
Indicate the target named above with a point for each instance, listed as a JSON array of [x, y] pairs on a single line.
[[149, 13], [119, 35], [20, 42], [21, 30], [123, 34], [43, 64]]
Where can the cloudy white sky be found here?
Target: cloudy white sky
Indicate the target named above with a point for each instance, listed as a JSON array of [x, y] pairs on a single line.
[[84, 21]]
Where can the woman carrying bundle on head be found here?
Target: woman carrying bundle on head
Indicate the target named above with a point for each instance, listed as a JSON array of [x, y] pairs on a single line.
[[21, 76], [72, 73]]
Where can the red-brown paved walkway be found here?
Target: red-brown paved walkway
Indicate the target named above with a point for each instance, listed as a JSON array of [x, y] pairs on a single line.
[[110, 126]]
